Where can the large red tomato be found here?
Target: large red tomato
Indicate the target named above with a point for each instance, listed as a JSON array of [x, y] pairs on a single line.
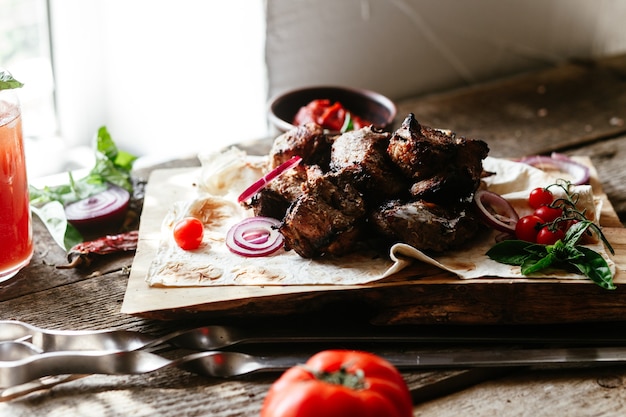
[[339, 383]]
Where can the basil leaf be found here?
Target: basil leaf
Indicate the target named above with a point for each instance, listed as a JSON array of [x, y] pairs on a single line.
[[7, 82], [534, 264], [112, 166], [510, 252], [566, 253], [576, 231], [594, 266], [53, 217], [537, 249]]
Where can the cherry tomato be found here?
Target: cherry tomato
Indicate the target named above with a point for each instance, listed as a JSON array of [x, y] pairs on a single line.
[[549, 237], [337, 383], [528, 227], [540, 197], [188, 233], [548, 214]]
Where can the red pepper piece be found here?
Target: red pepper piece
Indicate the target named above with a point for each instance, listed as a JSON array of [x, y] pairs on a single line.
[[83, 254]]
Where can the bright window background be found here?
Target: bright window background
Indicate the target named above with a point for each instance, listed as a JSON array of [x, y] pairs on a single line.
[[172, 79], [25, 52], [168, 79]]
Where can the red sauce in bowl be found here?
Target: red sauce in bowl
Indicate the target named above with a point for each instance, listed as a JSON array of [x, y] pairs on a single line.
[[329, 115]]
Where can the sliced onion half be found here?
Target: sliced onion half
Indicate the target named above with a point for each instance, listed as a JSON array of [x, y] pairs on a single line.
[[496, 211], [262, 182], [254, 237], [102, 209], [578, 172]]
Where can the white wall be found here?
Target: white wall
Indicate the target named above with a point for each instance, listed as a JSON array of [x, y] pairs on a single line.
[[166, 78], [174, 78], [406, 47]]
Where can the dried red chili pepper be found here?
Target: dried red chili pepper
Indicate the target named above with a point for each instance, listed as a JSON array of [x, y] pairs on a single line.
[[83, 254]]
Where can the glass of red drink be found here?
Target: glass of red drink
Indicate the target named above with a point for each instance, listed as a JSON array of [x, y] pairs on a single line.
[[16, 236]]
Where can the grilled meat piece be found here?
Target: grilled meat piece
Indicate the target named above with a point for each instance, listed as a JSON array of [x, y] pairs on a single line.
[[442, 167], [364, 153], [276, 197], [412, 186], [426, 226], [307, 141], [326, 219]]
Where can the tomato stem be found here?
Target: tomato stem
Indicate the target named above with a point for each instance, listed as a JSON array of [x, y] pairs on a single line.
[[353, 380]]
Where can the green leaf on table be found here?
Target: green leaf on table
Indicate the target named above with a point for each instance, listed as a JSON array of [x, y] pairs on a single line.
[[576, 232], [536, 263], [533, 258], [594, 266], [52, 215], [510, 252], [112, 166]]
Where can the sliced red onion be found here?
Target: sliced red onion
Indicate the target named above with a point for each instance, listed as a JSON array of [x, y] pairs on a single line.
[[99, 210], [262, 182], [496, 211], [579, 172], [254, 237]]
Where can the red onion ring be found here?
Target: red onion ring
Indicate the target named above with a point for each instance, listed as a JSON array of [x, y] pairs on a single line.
[[579, 172], [255, 237], [262, 182], [104, 208], [496, 211]]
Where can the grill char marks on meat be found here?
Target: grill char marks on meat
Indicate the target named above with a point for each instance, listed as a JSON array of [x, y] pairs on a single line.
[[413, 186], [425, 226], [276, 197], [443, 168], [307, 141], [311, 144], [327, 219], [363, 153]]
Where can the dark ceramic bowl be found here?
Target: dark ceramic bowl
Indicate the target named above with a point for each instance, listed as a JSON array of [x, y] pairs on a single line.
[[366, 104]]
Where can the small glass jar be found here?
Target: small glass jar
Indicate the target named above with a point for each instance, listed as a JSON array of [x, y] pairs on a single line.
[[16, 235]]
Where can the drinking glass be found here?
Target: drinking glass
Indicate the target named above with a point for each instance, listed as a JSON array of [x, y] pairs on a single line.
[[16, 235]]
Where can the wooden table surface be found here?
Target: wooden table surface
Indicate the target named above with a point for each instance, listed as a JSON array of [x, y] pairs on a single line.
[[577, 108]]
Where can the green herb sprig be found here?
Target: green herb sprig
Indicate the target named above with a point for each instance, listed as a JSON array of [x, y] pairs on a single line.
[[7, 82], [563, 254], [112, 166], [348, 123]]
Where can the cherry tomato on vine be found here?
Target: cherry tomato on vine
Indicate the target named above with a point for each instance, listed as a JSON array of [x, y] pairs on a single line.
[[188, 233], [548, 214], [528, 227], [540, 197], [549, 237]]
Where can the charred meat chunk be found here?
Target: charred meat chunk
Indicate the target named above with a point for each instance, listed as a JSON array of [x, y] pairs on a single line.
[[414, 185], [419, 151], [363, 153], [326, 219], [307, 141], [442, 167], [425, 226], [274, 199]]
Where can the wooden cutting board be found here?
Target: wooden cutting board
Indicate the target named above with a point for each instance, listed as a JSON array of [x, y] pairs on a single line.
[[421, 294]]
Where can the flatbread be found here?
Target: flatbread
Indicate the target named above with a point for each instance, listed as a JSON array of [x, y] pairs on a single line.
[[222, 178]]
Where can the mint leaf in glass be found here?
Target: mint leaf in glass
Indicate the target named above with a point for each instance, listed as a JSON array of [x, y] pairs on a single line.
[[7, 82]]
